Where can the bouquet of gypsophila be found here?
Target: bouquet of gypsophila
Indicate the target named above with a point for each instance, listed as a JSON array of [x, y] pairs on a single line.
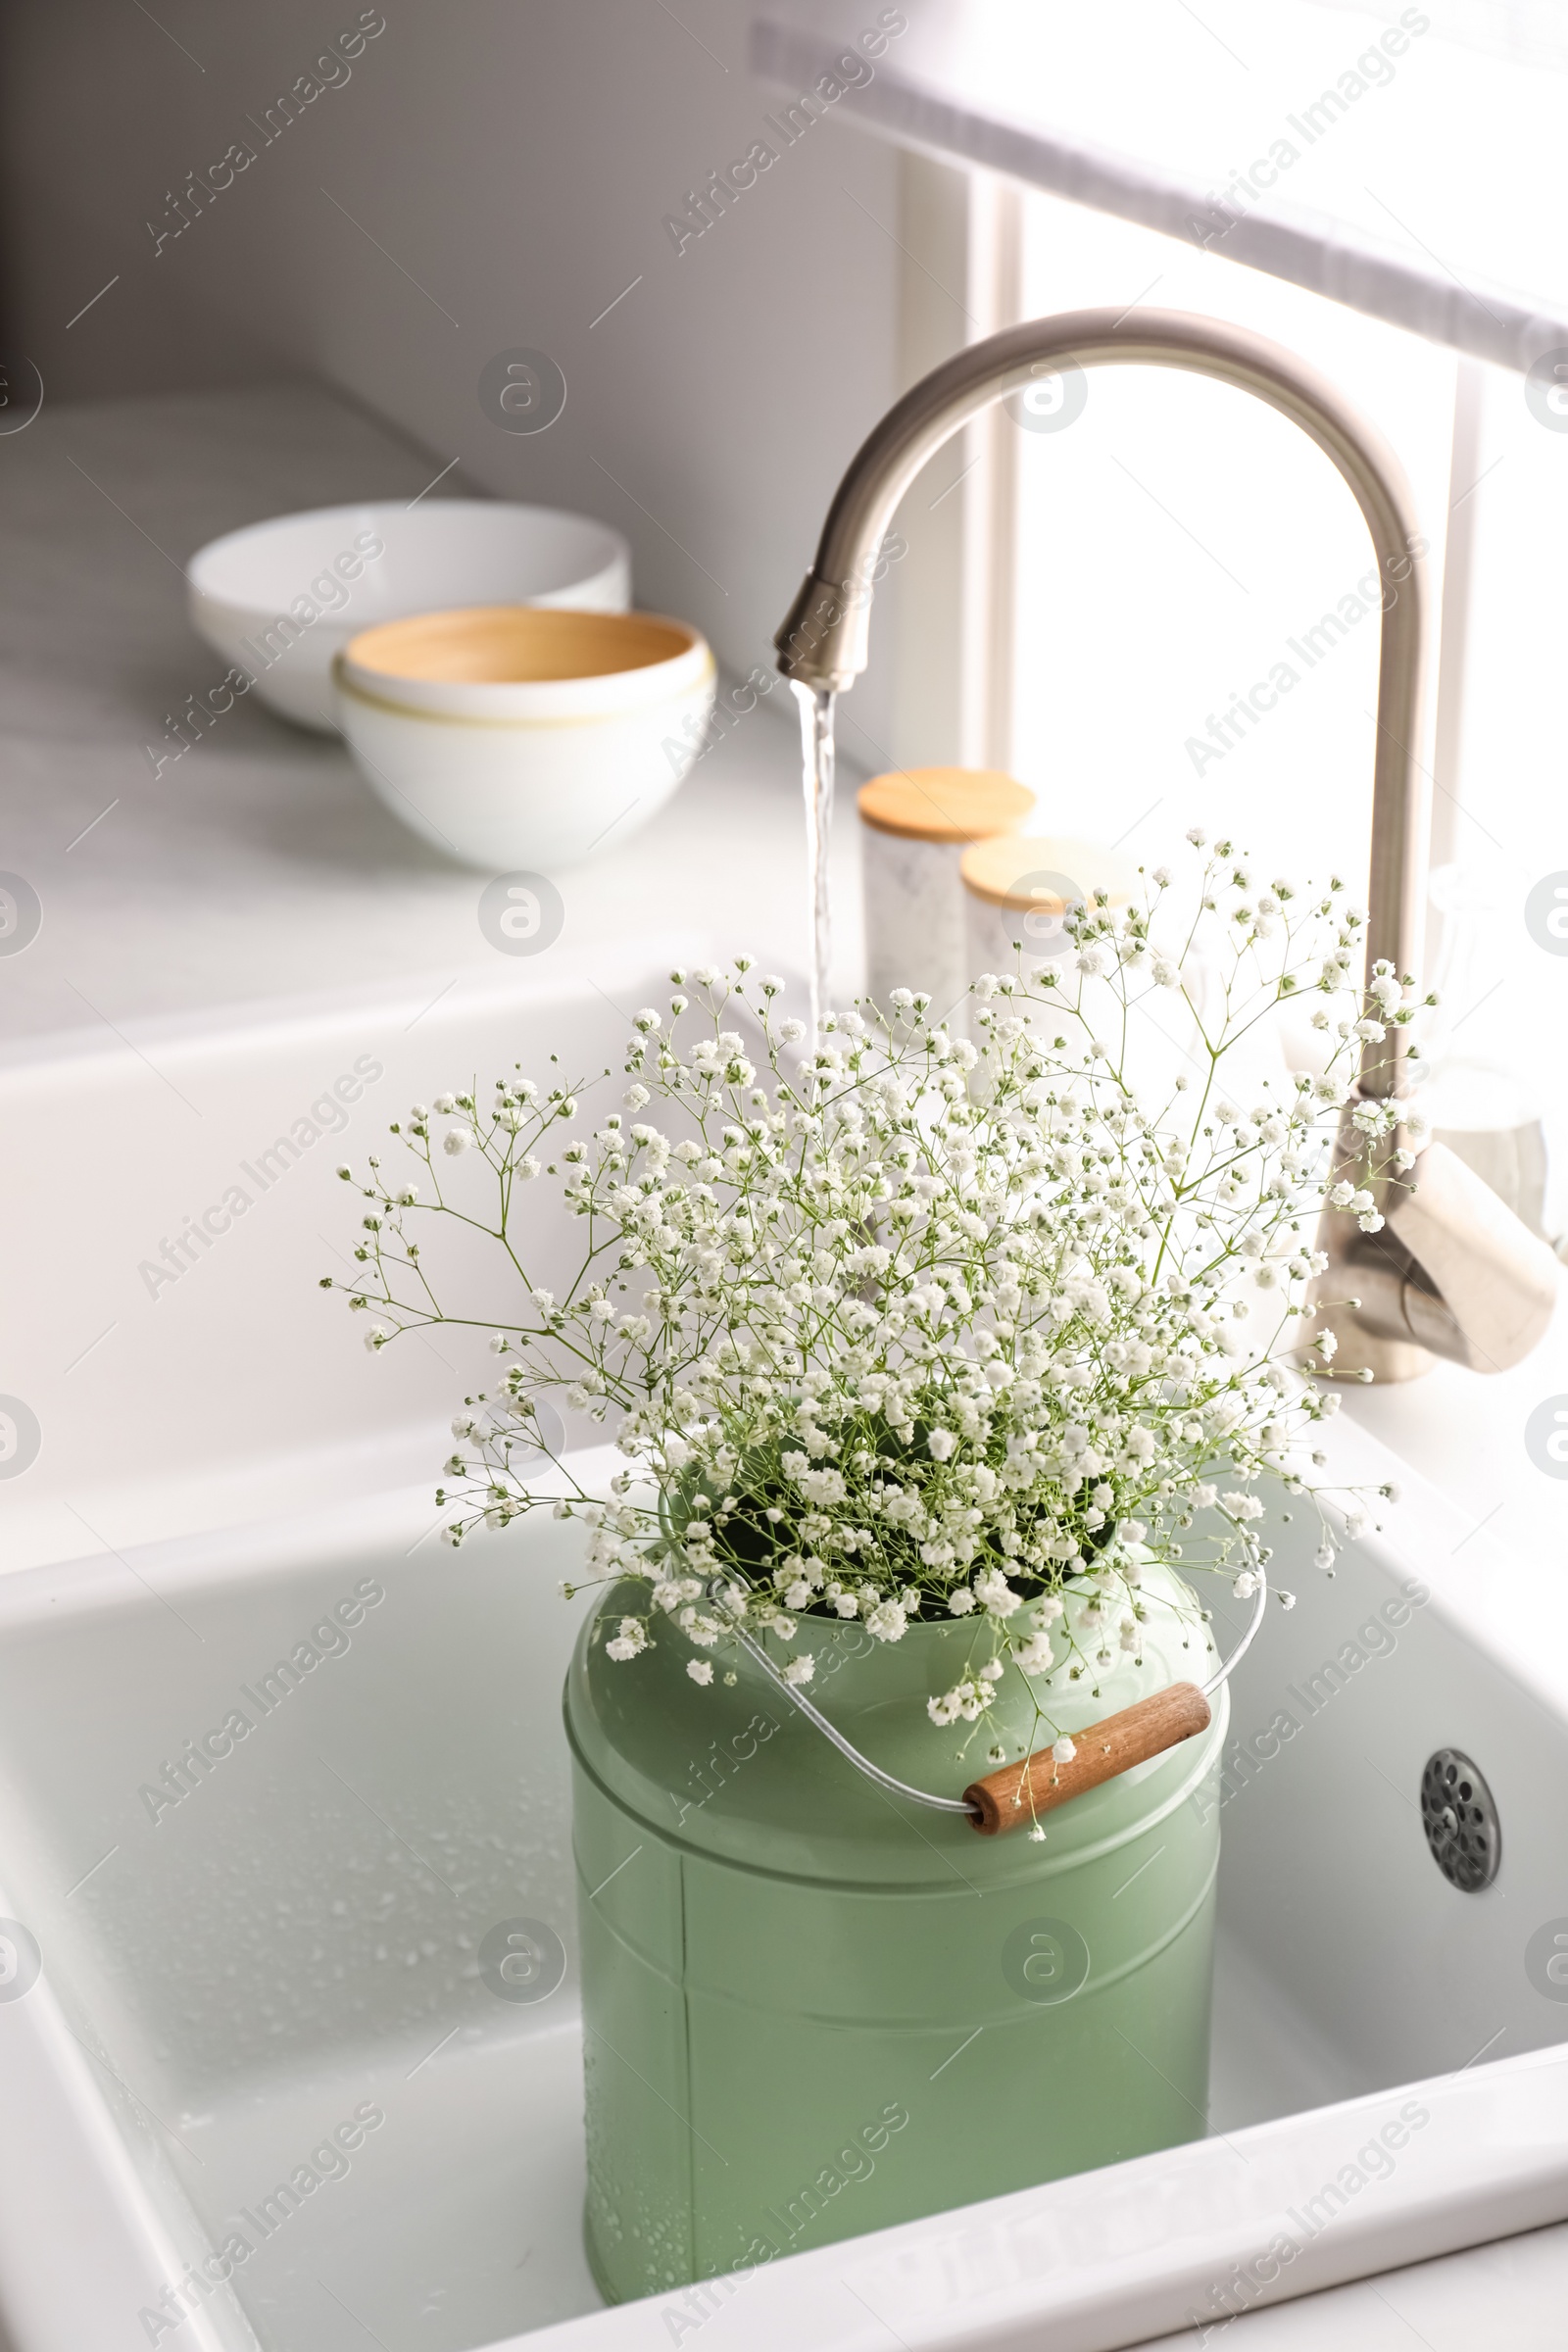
[[911, 1325]]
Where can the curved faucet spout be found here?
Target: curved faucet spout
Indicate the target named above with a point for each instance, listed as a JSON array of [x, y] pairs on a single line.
[[1428, 1283], [824, 640]]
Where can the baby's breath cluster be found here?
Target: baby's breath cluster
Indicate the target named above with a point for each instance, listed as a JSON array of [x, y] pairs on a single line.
[[894, 1324]]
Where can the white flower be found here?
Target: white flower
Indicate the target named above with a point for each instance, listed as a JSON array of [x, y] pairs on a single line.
[[887, 1621], [960, 1600], [628, 1641], [941, 1443], [1246, 1585], [1063, 1750], [456, 1140], [445, 1104], [376, 1338], [800, 1669], [700, 1670], [993, 1593]]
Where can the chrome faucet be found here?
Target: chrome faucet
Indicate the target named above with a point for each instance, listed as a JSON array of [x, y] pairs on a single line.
[[1452, 1272]]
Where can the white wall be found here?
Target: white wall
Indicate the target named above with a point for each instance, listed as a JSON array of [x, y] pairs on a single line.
[[515, 159]]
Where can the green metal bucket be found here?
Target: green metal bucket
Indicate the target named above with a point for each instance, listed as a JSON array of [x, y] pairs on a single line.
[[811, 2009]]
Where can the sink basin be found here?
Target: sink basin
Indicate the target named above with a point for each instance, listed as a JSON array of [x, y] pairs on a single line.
[[269, 2007], [292, 1943]]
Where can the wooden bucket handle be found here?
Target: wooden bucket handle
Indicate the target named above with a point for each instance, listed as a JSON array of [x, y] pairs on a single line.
[[1013, 1795]]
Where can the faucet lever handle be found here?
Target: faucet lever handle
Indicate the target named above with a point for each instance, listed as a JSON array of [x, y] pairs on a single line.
[[1482, 1287], [1452, 1273]]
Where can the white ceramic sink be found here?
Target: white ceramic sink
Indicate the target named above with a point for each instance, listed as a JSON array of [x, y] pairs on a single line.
[[293, 1949]]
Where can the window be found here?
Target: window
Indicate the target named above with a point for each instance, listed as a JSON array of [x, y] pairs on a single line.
[[1180, 545]]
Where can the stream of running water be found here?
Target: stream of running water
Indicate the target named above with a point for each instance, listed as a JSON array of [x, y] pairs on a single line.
[[816, 766]]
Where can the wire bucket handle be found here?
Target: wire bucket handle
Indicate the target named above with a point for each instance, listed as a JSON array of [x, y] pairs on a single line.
[[1017, 1794]]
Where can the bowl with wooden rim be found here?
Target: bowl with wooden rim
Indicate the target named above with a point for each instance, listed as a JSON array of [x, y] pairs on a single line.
[[525, 737]]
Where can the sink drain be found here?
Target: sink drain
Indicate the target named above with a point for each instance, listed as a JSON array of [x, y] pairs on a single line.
[[1461, 1821]]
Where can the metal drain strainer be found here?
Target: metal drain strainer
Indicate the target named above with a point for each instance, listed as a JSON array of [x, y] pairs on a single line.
[[1461, 1821]]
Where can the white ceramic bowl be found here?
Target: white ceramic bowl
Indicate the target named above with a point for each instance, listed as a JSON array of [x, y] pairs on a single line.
[[282, 598], [519, 738]]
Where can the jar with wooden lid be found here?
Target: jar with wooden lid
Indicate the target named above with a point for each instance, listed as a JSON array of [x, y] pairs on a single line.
[[1018, 893], [916, 824]]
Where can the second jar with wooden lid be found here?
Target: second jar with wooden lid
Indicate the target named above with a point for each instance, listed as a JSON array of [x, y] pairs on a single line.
[[1019, 894], [916, 824]]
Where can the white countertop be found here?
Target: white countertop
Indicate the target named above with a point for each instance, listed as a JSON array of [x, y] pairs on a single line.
[[259, 867]]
